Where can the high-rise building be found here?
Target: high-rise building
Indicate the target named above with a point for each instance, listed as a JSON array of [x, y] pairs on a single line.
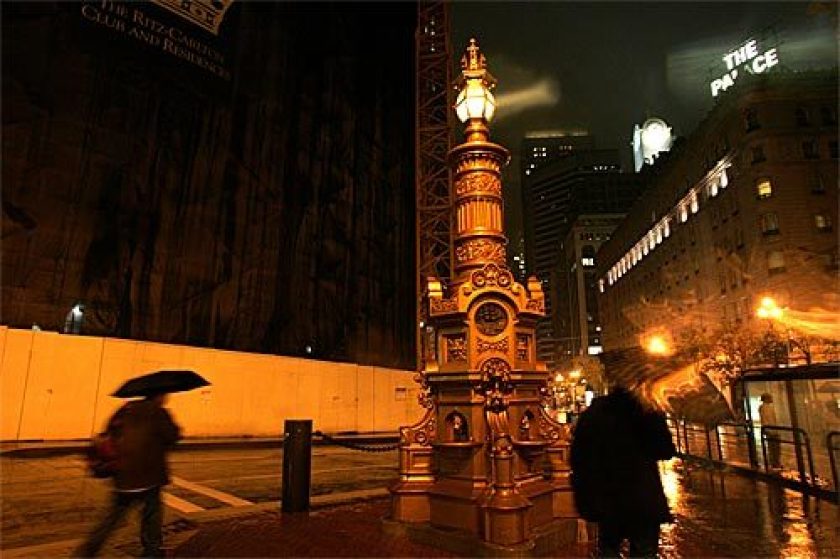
[[745, 208], [221, 190], [516, 258], [584, 180], [576, 320]]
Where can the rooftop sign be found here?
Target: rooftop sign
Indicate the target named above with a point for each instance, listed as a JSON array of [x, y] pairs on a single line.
[[745, 58]]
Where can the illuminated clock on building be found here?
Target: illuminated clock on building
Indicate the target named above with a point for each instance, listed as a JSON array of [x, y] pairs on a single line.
[[491, 319]]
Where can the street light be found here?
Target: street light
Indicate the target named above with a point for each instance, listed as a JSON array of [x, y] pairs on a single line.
[[475, 105], [657, 345], [769, 309], [74, 319]]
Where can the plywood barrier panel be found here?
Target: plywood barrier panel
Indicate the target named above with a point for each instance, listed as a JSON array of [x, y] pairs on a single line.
[[60, 389], [13, 376], [69, 380]]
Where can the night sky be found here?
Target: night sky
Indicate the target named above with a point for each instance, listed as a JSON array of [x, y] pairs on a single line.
[[605, 66]]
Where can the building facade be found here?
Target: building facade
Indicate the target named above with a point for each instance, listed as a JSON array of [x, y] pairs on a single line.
[[213, 188], [585, 180], [744, 208], [538, 149], [576, 320]]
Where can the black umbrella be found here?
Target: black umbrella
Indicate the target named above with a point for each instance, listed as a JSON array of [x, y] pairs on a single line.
[[161, 382]]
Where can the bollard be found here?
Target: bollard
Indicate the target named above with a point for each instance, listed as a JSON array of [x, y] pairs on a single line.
[[297, 465]]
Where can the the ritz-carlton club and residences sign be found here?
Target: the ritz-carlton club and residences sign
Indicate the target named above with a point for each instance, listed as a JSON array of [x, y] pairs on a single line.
[[140, 21]]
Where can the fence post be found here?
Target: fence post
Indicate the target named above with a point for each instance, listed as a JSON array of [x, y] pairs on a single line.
[[800, 460], [764, 445], [297, 465], [708, 444], [829, 444], [751, 450]]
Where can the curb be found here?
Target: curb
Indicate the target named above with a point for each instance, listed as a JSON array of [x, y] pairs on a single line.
[[46, 450]]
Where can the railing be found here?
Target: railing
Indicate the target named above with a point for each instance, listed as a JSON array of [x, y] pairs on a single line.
[[831, 443], [769, 439], [735, 445]]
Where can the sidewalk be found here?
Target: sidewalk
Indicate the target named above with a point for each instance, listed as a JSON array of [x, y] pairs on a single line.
[[41, 449], [349, 530]]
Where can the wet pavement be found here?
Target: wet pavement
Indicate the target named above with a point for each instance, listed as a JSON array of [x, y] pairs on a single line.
[[53, 500], [721, 514], [224, 494], [716, 514]]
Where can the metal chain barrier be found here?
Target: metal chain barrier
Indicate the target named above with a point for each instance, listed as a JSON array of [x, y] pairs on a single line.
[[358, 446]]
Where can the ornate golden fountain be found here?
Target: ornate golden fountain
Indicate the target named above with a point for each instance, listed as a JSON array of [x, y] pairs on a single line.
[[486, 459]]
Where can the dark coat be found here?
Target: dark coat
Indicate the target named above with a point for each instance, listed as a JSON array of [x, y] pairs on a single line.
[[615, 447], [143, 432]]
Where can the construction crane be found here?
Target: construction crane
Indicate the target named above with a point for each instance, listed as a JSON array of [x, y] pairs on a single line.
[[433, 134]]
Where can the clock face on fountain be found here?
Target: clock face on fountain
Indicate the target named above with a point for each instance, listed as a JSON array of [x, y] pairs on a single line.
[[491, 319]]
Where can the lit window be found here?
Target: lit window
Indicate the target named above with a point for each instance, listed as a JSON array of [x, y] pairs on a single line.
[[713, 188], [724, 179], [775, 262], [658, 235], [695, 204], [764, 188], [666, 228], [683, 214], [588, 261], [823, 222], [770, 223], [601, 286]]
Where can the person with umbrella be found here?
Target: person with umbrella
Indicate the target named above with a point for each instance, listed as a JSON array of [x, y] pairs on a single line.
[[142, 432]]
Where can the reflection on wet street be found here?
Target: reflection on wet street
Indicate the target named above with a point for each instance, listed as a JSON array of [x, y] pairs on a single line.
[[723, 514]]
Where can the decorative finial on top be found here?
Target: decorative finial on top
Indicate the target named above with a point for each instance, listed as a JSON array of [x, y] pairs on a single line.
[[473, 59]]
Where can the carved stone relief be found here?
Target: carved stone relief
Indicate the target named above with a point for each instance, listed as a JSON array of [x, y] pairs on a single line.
[[485, 182], [523, 344], [456, 348], [480, 249], [484, 346]]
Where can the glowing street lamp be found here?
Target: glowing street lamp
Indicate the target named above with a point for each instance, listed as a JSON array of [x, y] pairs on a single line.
[[657, 345], [475, 105], [769, 309], [74, 319]]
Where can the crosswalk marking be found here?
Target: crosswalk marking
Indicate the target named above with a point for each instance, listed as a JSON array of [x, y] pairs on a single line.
[[180, 504], [221, 496]]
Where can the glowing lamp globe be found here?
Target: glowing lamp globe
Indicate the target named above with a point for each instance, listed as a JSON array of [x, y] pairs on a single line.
[[656, 136], [475, 101]]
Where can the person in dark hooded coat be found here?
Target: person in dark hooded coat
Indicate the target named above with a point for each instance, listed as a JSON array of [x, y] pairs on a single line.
[[615, 477]]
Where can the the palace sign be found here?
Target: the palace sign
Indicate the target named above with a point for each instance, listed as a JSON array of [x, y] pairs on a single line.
[[745, 58]]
